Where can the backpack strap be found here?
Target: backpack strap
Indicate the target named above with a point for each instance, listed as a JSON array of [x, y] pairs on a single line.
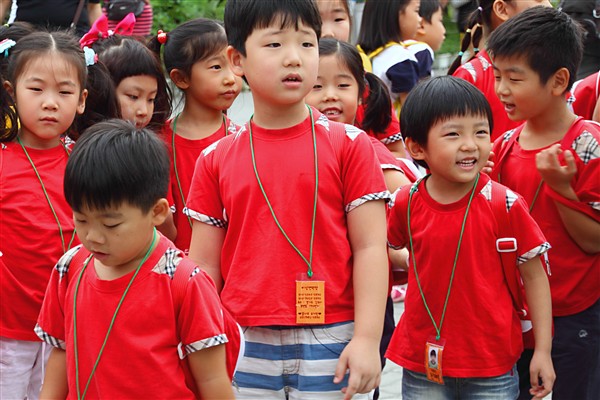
[[506, 245], [180, 279]]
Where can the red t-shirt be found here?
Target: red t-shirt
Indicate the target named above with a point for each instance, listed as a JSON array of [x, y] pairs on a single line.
[[30, 240], [187, 151], [480, 73], [258, 264], [585, 94], [144, 338], [481, 327], [575, 277]]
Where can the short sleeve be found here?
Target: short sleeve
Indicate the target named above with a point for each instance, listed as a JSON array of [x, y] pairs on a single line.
[[531, 242], [403, 75], [397, 224]]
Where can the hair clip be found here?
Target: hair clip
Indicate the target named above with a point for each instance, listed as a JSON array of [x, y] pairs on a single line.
[[460, 53], [90, 55], [161, 36], [468, 30], [480, 9], [475, 49], [5, 45]]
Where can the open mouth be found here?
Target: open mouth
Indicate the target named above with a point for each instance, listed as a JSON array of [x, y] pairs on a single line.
[[468, 163], [331, 112]]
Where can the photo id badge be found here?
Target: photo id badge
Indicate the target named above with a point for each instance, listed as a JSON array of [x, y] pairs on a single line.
[[310, 300], [433, 359]]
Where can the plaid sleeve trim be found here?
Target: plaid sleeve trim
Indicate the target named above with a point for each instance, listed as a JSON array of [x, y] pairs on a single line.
[[391, 246], [385, 195], [537, 251], [47, 338], [62, 266], [185, 350], [392, 139], [586, 147], [391, 166], [219, 223]]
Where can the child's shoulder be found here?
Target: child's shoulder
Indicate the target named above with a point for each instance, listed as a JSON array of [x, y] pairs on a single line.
[[584, 140]]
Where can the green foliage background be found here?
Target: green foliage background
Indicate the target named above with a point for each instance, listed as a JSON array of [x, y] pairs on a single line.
[[170, 13]]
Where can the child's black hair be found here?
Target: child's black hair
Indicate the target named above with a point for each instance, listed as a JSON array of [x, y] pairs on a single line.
[[380, 23], [115, 163], [243, 16], [479, 20], [548, 39], [378, 98], [429, 7], [124, 57], [436, 100]]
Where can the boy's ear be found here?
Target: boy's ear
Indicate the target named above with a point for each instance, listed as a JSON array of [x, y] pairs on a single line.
[[82, 98], [160, 211], [421, 28], [560, 81], [179, 78], [499, 8], [235, 59], [415, 150]]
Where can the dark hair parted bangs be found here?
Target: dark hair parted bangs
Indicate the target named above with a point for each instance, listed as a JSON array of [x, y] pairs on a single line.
[[438, 99], [379, 24], [547, 38], [243, 16], [115, 163]]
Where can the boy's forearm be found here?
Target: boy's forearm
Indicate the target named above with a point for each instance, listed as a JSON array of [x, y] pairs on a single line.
[[205, 250], [582, 229], [537, 292], [55, 381]]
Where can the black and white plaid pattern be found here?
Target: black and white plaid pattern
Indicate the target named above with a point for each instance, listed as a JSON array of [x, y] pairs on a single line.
[[51, 340], [62, 266], [385, 195], [393, 139], [537, 251], [586, 147], [187, 349], [219, 223]]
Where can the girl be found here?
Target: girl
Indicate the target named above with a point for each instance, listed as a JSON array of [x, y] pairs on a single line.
[[195, 59], [46, 77], [478, 71], [385, 24]]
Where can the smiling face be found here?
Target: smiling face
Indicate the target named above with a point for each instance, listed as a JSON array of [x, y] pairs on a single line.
[[335, 19], [47, 96], [457, 149], [136, 96], [280, 65], [336, 92]]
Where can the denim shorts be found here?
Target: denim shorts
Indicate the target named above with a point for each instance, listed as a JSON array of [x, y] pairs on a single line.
[[416, 386]]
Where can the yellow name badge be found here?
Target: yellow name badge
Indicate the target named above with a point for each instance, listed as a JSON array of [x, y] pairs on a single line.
[[310, 302], [433, 360]]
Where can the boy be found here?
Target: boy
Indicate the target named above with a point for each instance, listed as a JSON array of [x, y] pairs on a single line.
[[112, 313], [553, 161], [429, 37], [458, 303], [258, 230]]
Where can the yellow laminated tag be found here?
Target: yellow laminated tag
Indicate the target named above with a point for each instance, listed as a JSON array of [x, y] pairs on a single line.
[[310, 302]]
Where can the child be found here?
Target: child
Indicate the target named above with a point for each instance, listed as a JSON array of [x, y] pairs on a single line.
[[260, 187], [384, 25], [195, 59], [488, 16], [429, 36], [585, 96], [552, 160], [46, 77], [335, 18], [115, 181], [477, 335]]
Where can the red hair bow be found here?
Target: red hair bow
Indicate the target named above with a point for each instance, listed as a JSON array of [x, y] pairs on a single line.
[[100, 29]]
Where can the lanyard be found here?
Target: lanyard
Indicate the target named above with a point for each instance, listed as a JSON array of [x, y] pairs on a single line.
[[412, 255], [60, 231], [175, 161], [314, 217], [80, 395]]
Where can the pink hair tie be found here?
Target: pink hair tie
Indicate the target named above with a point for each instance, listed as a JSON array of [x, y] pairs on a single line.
[[162, 36]]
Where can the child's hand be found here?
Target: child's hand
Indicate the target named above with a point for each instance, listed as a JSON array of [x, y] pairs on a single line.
[[489, 165], [361, 357], [541, 370], [555, 175]]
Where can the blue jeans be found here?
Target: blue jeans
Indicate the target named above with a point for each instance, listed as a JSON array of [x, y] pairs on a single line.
[[415, 386]]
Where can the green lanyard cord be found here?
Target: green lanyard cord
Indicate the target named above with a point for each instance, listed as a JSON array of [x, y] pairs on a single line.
[[175, 161], [60, 231], [81, 396], [438, 330], [314, 216]]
